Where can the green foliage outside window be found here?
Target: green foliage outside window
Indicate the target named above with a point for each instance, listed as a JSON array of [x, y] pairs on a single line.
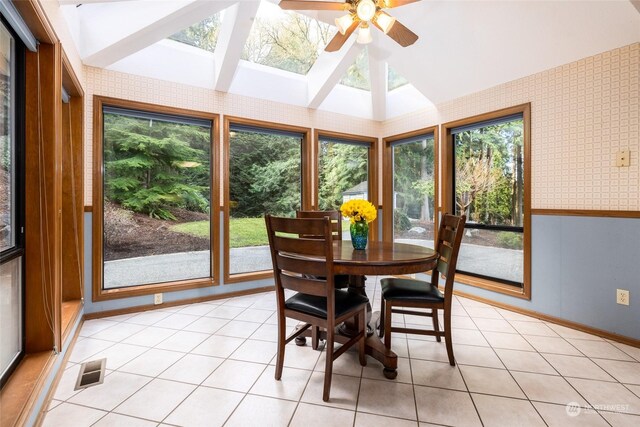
[[286, 40], [203, 35], [341, 167], [413, 179], [153, 166], [264, 174], [357, 75], [490, 174]]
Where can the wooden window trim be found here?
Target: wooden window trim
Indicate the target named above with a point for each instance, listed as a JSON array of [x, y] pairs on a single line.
[[372, 142], [447, 201], [306, 178], [100, 294], [387, 178]]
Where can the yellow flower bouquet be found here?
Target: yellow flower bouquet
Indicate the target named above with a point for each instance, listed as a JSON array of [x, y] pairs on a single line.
[[360, 213], [359, 210]]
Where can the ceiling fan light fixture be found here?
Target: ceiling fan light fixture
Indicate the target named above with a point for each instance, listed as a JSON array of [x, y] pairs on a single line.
[[366, 10], [344, 22], [385, 21], [364, 34]]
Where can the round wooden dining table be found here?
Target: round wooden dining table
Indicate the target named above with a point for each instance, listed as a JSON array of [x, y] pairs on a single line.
[[379, 259]]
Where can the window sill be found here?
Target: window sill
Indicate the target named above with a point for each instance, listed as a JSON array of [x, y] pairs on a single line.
[[19, 395], [494, 286], [247, 277], [134, 291]]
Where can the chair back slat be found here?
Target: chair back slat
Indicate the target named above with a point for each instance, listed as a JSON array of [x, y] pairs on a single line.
[[302, 264], [448, 246], [303, 246], [334, 216], [305, 285], [297, 226], [446, 234], [293, 264]]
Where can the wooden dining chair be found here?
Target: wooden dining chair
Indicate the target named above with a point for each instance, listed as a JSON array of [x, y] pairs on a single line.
[[412, 293], [341, 281], [305, 265]]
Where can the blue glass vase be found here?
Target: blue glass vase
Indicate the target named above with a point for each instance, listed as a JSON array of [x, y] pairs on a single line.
[[359, 234]]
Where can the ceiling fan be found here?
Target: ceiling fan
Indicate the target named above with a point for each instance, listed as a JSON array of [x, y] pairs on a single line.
[[360, 14]]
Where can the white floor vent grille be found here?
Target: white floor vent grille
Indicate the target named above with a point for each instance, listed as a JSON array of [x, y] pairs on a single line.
[[91, 373]]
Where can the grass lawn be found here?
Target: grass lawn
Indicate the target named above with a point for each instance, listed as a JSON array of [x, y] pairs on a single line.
[[243, 231]]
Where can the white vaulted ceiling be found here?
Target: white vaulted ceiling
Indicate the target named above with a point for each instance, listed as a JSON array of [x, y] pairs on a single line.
[[464, 47]]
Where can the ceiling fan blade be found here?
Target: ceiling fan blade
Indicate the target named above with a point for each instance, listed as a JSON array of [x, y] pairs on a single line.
[[312, 5], [339, 39], [396, 3], [401, 34]]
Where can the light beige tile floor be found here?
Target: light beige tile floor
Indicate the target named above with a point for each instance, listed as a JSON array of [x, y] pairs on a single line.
[[212, 364]]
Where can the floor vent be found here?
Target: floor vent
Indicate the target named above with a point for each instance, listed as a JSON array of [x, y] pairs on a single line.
[[91, 373]]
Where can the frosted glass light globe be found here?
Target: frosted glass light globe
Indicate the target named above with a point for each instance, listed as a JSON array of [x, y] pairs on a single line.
[[366, 9]]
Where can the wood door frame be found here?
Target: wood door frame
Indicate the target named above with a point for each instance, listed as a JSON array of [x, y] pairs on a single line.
[[372, 143], [100, 294], [493, 285], [387, 179], [305, 185]]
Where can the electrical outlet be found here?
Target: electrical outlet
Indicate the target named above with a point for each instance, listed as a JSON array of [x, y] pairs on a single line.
[[622, 296], [622, 158], [157, 299]]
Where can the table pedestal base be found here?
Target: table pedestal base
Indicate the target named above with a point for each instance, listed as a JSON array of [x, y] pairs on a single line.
[[374, 346]]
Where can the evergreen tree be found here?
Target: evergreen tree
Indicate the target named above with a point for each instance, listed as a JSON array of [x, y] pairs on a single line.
[[152, 166]]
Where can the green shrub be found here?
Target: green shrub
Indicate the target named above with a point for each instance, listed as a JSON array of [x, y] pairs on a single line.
[[400, 221], [509, 240]]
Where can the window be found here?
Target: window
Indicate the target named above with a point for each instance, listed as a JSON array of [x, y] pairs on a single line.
[[489, 184], [357, 75], [344, 168], [286, 40], [11, 201], [155, 211], [411, 184], [265, 176], [203, 35], [395, 80]]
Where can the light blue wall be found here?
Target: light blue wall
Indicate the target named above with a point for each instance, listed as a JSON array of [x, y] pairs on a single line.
[[577, 263]]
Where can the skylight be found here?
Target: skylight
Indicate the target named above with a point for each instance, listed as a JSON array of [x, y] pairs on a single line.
[[357, 75], [395, 80], [203, 35], [286, 40]]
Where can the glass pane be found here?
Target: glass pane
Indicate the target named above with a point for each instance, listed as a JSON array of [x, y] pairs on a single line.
[[489, 174], [496, 254], [285, 39], [10, 312], [7, 144], [395, 80], [264, 177], [157, 193], [203, 35], [343, 173], [357, 75], [413, 191]]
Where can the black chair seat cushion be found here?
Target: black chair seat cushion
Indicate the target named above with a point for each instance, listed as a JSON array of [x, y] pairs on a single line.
[[410, 290], [317, 306]]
